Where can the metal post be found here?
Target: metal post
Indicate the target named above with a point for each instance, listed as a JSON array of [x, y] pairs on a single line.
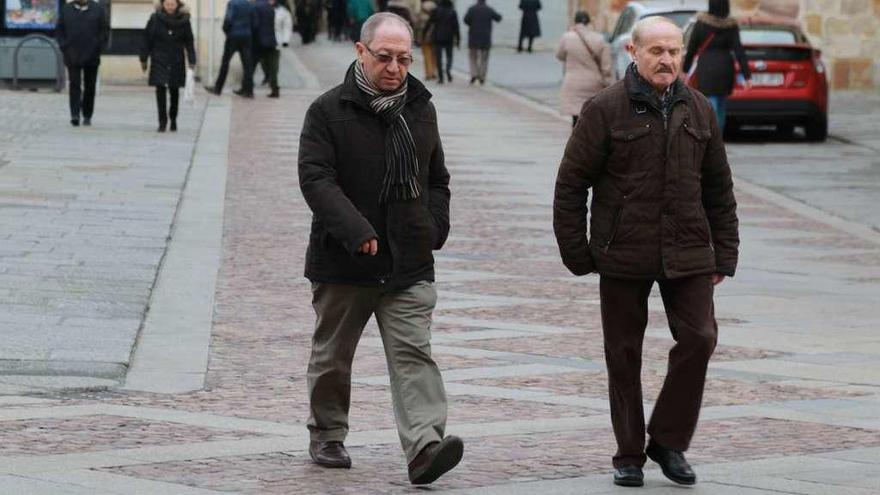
[[211, 41], [59, 60]]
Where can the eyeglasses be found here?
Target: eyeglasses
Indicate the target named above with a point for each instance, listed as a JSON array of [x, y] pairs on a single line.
[[385, 59]]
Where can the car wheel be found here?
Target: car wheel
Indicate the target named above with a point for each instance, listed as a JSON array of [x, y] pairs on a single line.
[[817, 128]]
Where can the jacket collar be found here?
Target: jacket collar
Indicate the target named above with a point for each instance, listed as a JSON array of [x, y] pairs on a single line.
[[351, 92], [640, 90]]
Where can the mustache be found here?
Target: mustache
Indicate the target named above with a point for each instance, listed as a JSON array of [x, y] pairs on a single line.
[[665, 68]]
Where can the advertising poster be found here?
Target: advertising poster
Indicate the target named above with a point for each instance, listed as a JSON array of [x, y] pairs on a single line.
[[30, 14]]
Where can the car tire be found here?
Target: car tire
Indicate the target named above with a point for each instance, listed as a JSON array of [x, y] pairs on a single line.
[[816, 128]]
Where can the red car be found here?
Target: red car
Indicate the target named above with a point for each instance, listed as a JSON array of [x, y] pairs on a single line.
[[789, 82]]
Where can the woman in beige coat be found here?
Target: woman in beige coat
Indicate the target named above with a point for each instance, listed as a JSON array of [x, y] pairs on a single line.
[[587, 59]]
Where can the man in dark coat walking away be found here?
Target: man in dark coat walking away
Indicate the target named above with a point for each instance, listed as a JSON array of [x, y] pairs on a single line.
[[82, 31], [371, 169], [663, 211], [717, 36], [265, 44], [479, 18], [530, 26], [444, 30], [239, 24], [168, 45]]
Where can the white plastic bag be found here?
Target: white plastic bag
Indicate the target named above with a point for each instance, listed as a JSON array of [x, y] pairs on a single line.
[[189, 86]]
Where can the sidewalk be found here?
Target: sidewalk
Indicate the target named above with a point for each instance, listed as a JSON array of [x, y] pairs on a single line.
[[790, 404]]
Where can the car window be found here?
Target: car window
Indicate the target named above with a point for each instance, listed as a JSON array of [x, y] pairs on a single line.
[[679, 18], [767, 37]]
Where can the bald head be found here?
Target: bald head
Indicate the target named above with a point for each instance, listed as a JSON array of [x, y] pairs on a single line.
[[656, 48], [654, 25]]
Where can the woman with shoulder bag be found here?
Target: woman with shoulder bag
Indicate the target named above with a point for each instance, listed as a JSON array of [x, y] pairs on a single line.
[[713, 45], [587, 64], [168, 44]]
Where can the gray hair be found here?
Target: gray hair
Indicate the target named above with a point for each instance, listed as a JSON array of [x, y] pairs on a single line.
[[647, 22], [368, 31]]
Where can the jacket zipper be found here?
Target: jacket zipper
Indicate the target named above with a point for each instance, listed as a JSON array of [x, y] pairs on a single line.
[[615, 223]]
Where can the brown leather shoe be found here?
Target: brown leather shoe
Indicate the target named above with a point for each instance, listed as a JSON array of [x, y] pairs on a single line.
[[329, 454], [435, 459]]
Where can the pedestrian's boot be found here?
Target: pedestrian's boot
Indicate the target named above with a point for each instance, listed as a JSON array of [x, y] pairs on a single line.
[[275, 94], [629, 476], [243, 93], [173, 126], [329, 454], [213, 90], [435, 459], [449, 75], [672, 462], [87, 121]]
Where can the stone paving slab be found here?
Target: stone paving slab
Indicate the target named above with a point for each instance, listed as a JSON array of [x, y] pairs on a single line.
[[534, 417]]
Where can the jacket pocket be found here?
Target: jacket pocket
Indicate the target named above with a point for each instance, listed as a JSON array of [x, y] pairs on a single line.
[[697, 141], [627, 150]]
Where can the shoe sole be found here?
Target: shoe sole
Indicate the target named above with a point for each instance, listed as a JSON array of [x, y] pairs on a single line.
[[331, 465], [447, 458], [629, 482], [671, 477]]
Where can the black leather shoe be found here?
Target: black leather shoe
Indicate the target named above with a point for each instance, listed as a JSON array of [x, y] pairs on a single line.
[[672, 462], [74, 122], [212, 90], [329, 454], [87, 121], [435, 459], [243, 93], [629, 476], [173, 126]]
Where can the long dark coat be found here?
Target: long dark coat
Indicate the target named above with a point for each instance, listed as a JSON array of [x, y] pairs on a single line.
[[530, 26], [663, 202], [341, 172], [443, 25], [479, 19], [715, 72], [82, 32], [167, 38]]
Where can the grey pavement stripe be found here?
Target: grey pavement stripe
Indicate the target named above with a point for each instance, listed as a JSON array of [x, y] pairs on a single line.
[[101, 482], [31, 486], [15, 400], [516, 370], [574, 363], [863, 375], [171, 354], [505, 325]]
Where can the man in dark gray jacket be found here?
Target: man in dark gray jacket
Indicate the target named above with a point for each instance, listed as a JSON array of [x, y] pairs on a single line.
[[479, 18], [371, 169], [82, 31]]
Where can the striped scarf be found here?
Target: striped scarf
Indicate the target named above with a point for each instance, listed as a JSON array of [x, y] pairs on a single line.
[[401, 162]]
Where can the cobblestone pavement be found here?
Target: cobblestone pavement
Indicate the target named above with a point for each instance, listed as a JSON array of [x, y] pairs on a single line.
[[792, 398]]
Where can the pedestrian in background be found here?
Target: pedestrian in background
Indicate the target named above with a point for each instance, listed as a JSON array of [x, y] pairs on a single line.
[[82, 31], [425, 38], [663, 212], [380, 206], [403, 8], [443, 24], [479, 19], [530, 26], [358, 13], [266, 51], [308, 18], [239, 24], [336, 19], [715, 42], [168, 46], [586, 59]]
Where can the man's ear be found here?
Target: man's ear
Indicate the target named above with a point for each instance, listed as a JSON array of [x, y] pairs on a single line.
[[360, 48], [631, 49]]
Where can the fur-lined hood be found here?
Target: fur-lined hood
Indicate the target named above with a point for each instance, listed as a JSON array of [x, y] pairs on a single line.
[[716, 22], [182, 15]]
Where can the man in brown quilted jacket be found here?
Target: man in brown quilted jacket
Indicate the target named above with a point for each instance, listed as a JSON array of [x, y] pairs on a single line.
[[663, 212]]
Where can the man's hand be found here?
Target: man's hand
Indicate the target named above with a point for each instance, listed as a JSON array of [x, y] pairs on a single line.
[[717, 278], [370, 247]]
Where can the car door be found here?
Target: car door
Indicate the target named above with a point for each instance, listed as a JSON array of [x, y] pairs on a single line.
[[619, 39]]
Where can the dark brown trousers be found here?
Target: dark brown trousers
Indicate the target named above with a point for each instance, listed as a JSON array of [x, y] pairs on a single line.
[[691, 315]]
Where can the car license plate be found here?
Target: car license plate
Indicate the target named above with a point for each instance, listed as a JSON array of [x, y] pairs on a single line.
[[768, 79]]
